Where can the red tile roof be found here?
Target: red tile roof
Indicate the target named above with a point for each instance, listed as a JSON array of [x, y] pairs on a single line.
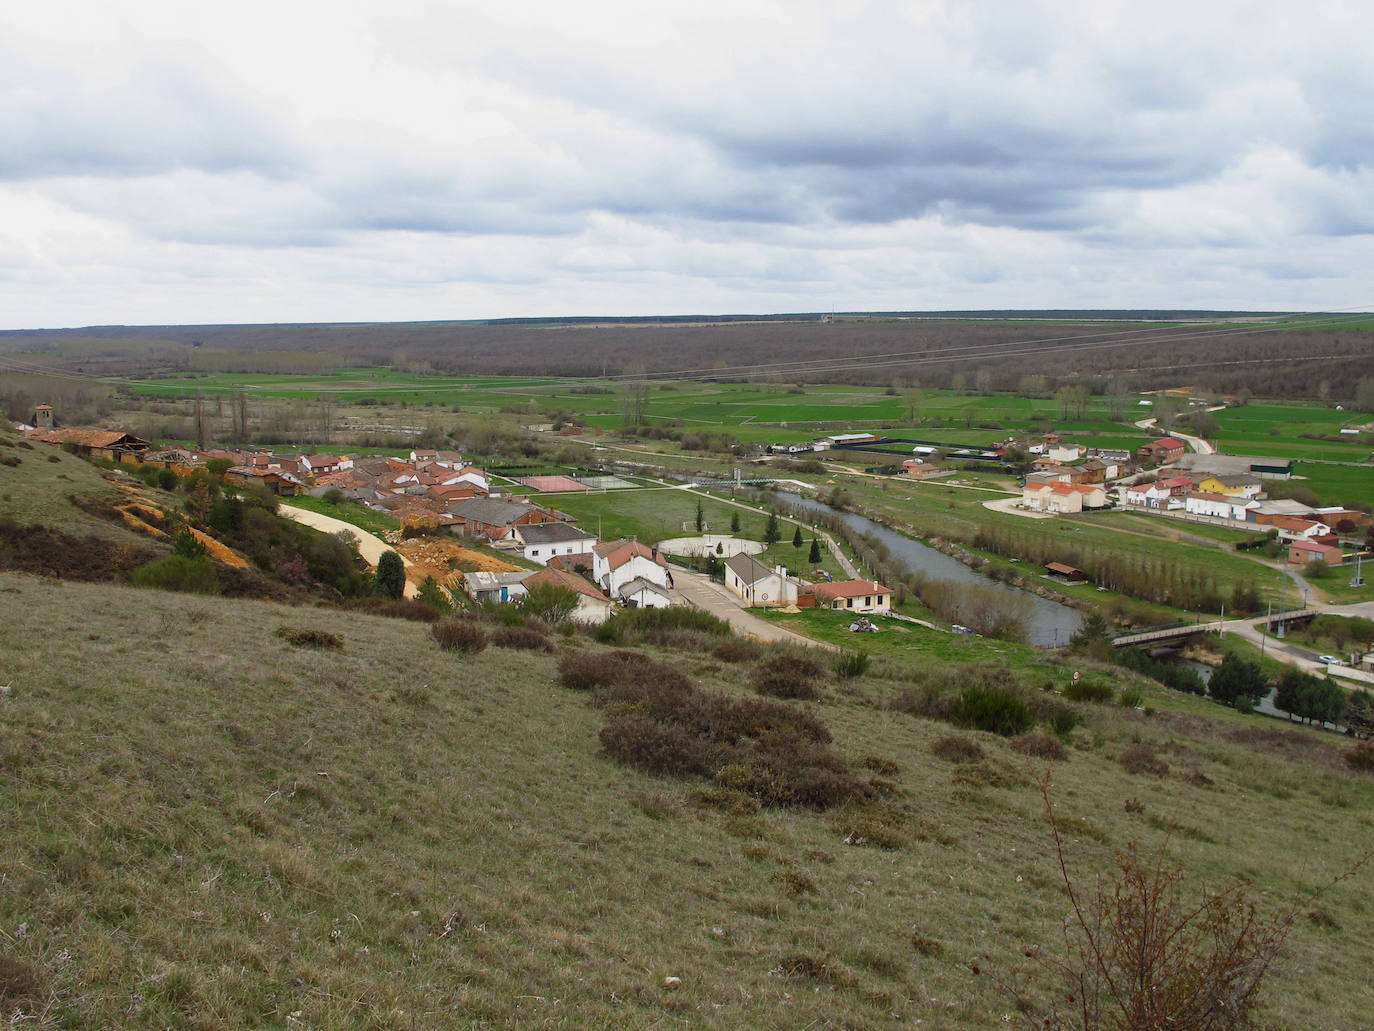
[[850, 589]]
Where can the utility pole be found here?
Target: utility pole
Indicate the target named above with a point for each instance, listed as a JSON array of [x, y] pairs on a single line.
[[1264, 634]]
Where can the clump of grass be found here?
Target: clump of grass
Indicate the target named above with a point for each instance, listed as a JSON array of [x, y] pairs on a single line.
[[459, 635], [1040, 746], [1130, 697], [1089, 691], [817, 968], [925, 946], [851, 665], [1142, 759], [1361, 756], [795, 883], [957, 748], [873, 823], [305, 637], [18, 983]]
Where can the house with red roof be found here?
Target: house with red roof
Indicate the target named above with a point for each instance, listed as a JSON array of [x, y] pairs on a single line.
[[1162, 451], [853, 596], [616, 563]]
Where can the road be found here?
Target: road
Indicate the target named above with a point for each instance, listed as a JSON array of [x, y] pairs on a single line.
[[370, 547], [840, 556], [697, 590], [1199, 445]]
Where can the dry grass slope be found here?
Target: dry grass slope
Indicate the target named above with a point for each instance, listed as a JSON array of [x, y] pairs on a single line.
[[206, 827]]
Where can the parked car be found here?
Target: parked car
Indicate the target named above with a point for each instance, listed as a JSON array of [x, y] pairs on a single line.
[[1330, 660], [960, 629]]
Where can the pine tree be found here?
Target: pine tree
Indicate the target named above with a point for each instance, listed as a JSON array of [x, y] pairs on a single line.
[[391, 575], [734, 521], [797, 538], [815, 555], [701, 517], [431, 594], [772, 533]]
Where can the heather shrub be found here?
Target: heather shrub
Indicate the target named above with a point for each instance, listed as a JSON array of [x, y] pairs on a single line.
[[657, 747], [788, 676], [520, 637], [460, 635], [956, 748], [992, 709], [583, 671], [1039, 746], [736, 650], [926, 702], [393, 608]]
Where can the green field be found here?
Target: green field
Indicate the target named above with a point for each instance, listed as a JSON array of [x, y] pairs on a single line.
[[1275, 430]]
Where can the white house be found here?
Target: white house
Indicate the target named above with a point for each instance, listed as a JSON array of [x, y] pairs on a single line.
[[616, 563], [540, 542], [758, 584], [1062, 497], [1066, 452], [639, 593], [593, 607], [854, 596], [1218, 506]]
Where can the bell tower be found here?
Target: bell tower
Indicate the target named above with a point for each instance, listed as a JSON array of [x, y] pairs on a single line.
[[42, 417]]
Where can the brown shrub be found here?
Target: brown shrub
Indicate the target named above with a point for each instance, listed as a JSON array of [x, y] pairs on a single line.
[[1040, 746], [926, 946], [928, 703], [1141, 758], [957, 749], [520, 637], [459, 635], [736, 650], [303, 637], [871, 823], [38, 549]]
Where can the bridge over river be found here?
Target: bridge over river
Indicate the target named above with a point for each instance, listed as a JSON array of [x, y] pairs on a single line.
[[1179, 631]]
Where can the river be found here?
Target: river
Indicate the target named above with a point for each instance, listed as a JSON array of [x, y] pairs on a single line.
[[1048, 623]]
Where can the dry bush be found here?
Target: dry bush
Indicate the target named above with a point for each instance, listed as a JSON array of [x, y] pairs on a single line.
[[656, 747], [927, 702], [459, 635], [1141, 758], [957, 748], [303, 637], [520, 637], [873, 823], [1141, 951], [1040, 746]]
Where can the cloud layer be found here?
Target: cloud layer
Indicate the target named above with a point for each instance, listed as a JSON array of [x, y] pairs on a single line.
[[162, 162]]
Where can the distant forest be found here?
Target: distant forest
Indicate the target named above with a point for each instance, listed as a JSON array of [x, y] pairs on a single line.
[[1118, 351]]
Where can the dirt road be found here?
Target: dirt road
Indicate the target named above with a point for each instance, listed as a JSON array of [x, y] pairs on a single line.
[[370, 547]]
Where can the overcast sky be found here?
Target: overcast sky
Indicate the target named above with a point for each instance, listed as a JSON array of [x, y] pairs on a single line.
[[166, 162]]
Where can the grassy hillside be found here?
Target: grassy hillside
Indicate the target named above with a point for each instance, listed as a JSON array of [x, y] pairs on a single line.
[[206, 827]]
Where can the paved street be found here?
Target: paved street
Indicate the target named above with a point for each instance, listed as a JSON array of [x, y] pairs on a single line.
[[697, 590]]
